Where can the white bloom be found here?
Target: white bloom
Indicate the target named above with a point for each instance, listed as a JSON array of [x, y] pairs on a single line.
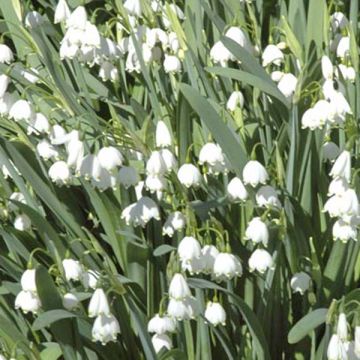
[[272, 55], [344, 231], [189, 175], [105, 329], [276, 76], [77, 19], [220, 54], [6, 103], [260, 260], [300, 282], [91, 36], [108, 71], [90, 278], [349, 204], [4, 82], [68, 51], [327, 67], [155, 183], [342, 330], [73, 269], [141, 212], [215, 313], [342, 166], [46, 150], [28, 280], [340, 104], [22, 222], [336, 349], [338, 186], [90, 167], [254, 173], [133, 7], [98, 304], [357, 340], [75, 150], [311, 120], [175, 222], [169, 159], [226, 267], [330, 151], [17, 196], [209, 254], [70, 301], [332, 206], [189, 248], [161, 341], [57, 135], [237, 35], [109, 158], [236, 190], [62, 12], [6, 54], [257, 231], [105, 180], [193, 266], [287, 84], [267, 196], [161, 324], [338, 21], [211, 154], [156, 164], [27, 301], [348, 73], [343, 48], [172, 64], [21, 110], [39, 124], [185, 309], [235, 100], [33, 19], [163, 136], [128, 176], [60, 173], [178, 288]]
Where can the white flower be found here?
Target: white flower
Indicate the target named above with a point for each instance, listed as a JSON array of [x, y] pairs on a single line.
[[70, 301], [90, 167], [162, 136], [272, 55], [338, 21], [343, 48], [327, 67], [17, 196], [311, 120], [338, 186], [22, 222], [260, 260], [357, 340], [27, 301], [220, 54], [349, 204], [108, 71], [62, 12], [336, 349], [57, 135], [215, 313], [226, 267], [105, 329], [98, 304], [287, 84], [348, 73], [128, 176], [254, 173], [340, 104], [189, 248], [235, 100], [267, 196], [342, 327], [276, 76], [133, 7], [75, 151], [39, 124], [156, 164], [344, 231], [141, 212], [77, 19], [209, 254], [161, 341], [175, 222], [6, 54], [185, 309], [332, 206], [33, 19], [189, 175], [236, 190], [59, 173], [300, 282], [28, 280], [91, 36], [193, 266], [169, 159], [109, 158], [68, 51], [257, 231], [178, 288], [73, 269], [342, 166], [6, 102], [4, 82], [161, 324], [172, 64], [21, 110], [237, 35], [46, 150], [155, 183], [90, 278], [211, 154], [330, 151]]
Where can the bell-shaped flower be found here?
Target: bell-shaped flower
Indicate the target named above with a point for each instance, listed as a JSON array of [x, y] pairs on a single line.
[[257, 231], [98, 304], [260, 260], [300, 282], [236, 190], [59, 173], [6, 54], [161, 324], [178, 288], [189, 175], [62, 12], [105, 329], [22, 222], [254, 173], [161, 341], [267, 196], [272, 55], [27, 301], [128, 176], [162, 135], [175, 222], [28, 280], [226, 267], [215, 313], [70, 301], [342, 166]]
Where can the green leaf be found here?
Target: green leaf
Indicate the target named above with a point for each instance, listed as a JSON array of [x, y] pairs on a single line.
[[163, 249], [49, 317]]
